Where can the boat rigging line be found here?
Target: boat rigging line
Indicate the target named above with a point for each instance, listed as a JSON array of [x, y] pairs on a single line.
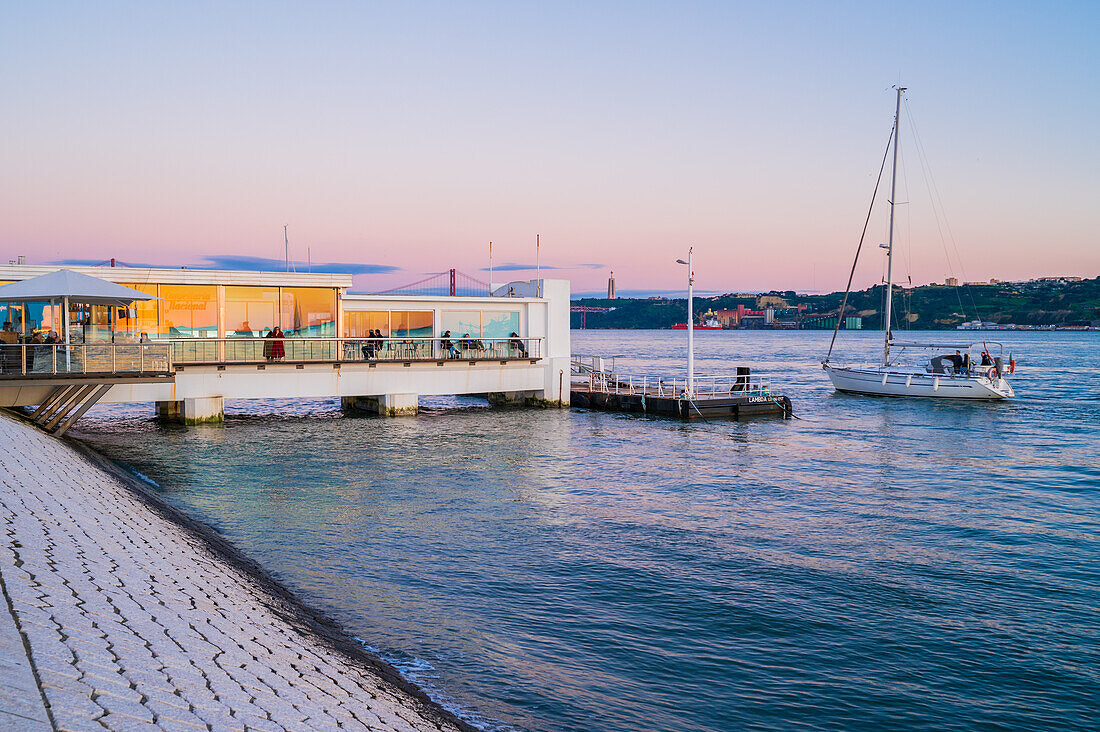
[[866, 223], [939, 212]]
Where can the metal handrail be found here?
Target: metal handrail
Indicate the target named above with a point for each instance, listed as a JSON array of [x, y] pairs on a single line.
[[245, 349], [163, 355], [58, 359], [714, 385]]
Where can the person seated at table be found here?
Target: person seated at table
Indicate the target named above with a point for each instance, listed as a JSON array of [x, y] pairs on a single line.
[[447, 346], [368, 346], [517, 343], [467, 343]]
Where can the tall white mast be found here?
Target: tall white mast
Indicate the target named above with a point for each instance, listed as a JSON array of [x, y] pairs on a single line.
[[691, 324], [890, 241]]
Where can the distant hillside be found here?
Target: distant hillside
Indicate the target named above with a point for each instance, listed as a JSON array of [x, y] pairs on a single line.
[[928, 307]]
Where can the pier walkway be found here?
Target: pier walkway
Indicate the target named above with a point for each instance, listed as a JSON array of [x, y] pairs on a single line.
[[119, 618]]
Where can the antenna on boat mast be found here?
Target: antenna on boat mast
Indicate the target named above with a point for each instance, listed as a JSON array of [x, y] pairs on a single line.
[[890, 242]]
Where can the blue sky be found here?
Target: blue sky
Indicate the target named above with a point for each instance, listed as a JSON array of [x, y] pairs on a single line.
[[404, 137]]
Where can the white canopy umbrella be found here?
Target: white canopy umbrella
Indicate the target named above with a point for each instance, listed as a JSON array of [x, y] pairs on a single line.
[[68, 286], [65, 283]]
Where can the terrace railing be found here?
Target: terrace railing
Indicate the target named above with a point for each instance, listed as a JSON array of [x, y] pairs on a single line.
[[22, 360], [344, 350], [32, 360]]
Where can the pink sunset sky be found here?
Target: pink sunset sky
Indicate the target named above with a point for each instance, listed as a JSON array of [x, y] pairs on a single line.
[[403, 138]]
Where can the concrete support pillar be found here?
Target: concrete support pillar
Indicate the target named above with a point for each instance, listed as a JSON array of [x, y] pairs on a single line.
[[386, 405], [556, 393], [203, 410], [513, 398]]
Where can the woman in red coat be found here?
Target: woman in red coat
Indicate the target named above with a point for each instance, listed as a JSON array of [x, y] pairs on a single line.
[[277, 352]]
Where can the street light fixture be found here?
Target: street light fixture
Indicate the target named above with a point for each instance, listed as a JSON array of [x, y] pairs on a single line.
[[689, 392]]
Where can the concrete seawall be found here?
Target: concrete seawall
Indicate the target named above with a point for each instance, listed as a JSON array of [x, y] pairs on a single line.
[[120, 613]]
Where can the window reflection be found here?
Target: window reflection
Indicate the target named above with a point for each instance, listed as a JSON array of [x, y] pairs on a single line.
[[461, 322], [411, 324], [359, 323], [499, 325], [308, 312], [141, 318], [250, 312], [481, 324], [190, 311]]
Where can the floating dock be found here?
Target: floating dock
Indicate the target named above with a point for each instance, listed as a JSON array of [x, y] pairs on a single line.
[[596, 385]]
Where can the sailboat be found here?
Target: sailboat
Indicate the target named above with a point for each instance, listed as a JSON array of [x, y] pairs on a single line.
[[965, 371]]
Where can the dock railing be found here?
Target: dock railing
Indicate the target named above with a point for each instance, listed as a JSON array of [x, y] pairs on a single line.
[[33, 360], [598, 374]]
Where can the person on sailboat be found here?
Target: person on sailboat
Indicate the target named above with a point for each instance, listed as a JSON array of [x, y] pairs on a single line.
[[957, 362]]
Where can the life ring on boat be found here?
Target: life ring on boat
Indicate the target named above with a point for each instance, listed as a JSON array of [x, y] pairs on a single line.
[[992, 373]]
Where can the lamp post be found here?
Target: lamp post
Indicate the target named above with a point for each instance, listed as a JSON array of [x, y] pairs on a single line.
[[690, 391]]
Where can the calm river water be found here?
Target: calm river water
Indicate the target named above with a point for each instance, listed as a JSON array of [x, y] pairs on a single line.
[[876, 564]]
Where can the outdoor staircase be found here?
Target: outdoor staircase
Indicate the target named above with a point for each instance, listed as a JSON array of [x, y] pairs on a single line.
[[66, 404]]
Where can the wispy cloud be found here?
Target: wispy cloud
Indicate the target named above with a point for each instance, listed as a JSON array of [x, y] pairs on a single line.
[[220, 261], [517, 267], [96, 262], [254, 264]]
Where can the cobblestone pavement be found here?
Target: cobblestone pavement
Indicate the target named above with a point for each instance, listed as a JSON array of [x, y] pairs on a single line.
[[133, 622]]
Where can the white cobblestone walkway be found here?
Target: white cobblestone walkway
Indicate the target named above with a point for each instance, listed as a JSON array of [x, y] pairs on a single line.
[[132, 622]]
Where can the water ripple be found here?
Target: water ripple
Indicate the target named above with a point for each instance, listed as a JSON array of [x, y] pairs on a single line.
[[878, 564]]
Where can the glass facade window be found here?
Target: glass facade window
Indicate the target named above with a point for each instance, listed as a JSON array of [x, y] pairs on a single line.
[[141, 317], [42, 316], [189, 311], [308, 312], [481, 324], [411, 324], [192, 311], [250, 311], [12, 316], [461, 322], [359, 323], [91, 323], [499, 325]]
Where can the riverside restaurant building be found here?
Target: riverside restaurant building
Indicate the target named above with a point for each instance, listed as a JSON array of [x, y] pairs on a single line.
[[201, 336], [199, 304]]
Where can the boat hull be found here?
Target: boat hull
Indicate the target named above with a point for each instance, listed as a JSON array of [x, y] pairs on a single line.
[[872, 381]]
